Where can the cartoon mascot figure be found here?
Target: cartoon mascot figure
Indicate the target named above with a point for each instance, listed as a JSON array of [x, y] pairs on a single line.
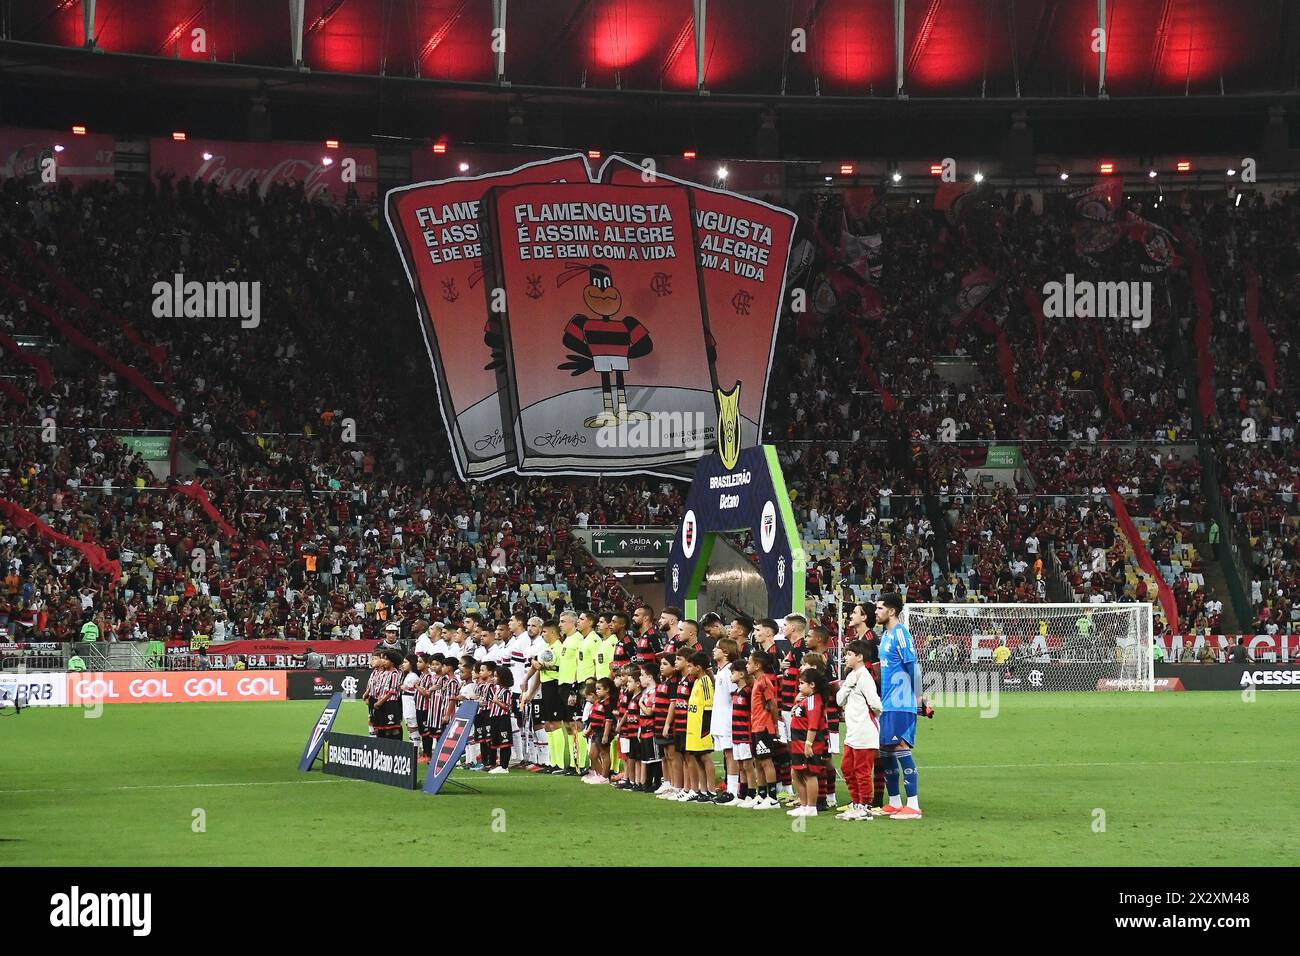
[[603, 343]]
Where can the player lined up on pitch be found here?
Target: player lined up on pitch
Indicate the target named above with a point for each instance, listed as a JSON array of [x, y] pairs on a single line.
[[638, 703]]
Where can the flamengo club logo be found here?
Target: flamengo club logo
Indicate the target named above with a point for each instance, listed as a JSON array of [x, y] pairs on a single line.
[[767, 527], [677, 578], [780, 571], [449, 744], [349, 686], [689, 534]]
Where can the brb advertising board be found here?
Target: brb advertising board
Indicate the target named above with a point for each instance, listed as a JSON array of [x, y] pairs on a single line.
[[749, 496], [377, 759], [39, 690], [166, 687]]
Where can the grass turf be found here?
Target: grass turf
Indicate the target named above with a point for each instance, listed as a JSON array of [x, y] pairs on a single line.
[[1025, 787]]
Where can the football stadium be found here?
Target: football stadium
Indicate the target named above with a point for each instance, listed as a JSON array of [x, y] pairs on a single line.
[[674, 433]]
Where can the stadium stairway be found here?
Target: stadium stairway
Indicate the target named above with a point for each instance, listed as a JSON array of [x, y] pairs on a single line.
[[1217, 581]]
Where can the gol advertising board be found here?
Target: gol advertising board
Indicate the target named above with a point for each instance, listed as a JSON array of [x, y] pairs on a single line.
[[166, 687], [377, 759]]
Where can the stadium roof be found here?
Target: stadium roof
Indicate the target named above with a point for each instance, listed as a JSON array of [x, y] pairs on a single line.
[[951, 48], [1181, 75]]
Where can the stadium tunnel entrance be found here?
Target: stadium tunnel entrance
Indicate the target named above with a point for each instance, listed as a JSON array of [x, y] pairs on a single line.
[[748, 496]]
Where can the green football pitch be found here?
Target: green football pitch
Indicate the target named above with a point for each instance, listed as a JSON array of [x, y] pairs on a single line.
[[1053, 779]]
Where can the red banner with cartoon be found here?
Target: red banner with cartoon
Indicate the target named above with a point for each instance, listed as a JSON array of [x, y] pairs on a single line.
[[231, 165], [436, 228], [743, 247], [49, 156], [605, 327]]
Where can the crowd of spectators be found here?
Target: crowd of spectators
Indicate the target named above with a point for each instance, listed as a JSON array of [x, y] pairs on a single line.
[[882, 398]]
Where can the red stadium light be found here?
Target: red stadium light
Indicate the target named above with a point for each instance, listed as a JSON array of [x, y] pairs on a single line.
[[178, 137], [78, 131], [440, 148], [936, 169], [688, 154], [1106, 168], [593, 154], [846, 169], [1184, 166], [331, 144]]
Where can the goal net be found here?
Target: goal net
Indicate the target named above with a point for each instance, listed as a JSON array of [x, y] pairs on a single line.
[[1038, 646]]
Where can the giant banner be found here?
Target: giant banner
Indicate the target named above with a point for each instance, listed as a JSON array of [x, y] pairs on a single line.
[[605, 326], [436, 228], [47, 156], [743, 246], [261, 166]]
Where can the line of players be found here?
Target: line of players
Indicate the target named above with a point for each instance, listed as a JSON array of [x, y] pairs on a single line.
[[637, 702]]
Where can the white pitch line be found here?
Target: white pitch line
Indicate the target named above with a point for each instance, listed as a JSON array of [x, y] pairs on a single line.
[[171, 786], [1107, 763]]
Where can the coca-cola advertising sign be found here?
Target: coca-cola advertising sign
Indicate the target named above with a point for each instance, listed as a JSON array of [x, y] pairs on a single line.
[[231, 165], [48, 156]]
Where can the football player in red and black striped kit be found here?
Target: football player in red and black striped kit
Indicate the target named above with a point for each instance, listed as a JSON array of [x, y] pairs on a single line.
[[790, 664], [648, 639]]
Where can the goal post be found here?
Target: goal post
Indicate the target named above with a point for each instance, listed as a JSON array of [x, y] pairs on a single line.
[[1047, 646]]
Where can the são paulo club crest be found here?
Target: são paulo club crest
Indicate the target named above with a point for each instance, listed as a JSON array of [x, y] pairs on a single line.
[[780, 571], [677, 578], [767, 527], [690, 534]]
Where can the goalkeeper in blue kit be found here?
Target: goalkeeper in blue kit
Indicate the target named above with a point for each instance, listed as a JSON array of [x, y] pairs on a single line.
[[900, 681]]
